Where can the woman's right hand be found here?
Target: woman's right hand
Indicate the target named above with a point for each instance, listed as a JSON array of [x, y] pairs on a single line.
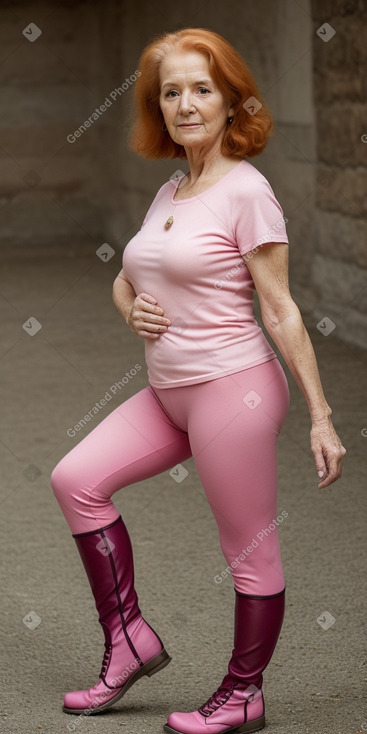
[[146, 318]]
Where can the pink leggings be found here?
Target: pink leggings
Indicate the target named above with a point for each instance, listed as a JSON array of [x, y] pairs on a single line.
[[229, 426]]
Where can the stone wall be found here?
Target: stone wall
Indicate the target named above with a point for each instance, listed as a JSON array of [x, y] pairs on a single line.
[[339, 269], [59, 62]]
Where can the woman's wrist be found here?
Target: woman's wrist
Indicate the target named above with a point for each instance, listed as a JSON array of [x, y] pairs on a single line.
[[128, 313], [321, 415]]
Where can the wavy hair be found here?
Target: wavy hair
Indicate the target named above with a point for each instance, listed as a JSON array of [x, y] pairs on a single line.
[[249, 132]]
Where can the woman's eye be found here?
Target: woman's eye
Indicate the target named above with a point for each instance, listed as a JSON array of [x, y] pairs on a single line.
[[173, 93]]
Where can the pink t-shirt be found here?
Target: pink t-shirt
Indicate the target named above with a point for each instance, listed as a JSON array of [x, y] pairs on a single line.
[[196, 271]]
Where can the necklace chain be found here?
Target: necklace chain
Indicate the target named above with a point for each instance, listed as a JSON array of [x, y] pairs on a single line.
[[170, 219]]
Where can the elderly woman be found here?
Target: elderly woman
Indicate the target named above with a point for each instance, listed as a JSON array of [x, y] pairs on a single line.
[[217, 391]]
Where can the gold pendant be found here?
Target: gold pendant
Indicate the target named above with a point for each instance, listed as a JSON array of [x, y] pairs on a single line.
[[169, 223]]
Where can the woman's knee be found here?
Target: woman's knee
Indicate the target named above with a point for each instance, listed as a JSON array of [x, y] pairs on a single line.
[[62, 478], [255, 561], [261, 578]]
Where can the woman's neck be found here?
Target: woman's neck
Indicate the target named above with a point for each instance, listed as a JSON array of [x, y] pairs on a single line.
[[207, 168]]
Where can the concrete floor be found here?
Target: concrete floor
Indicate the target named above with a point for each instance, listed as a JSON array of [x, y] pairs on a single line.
[[49, 381]]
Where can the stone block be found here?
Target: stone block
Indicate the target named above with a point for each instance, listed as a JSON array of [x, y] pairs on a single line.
[[338, 64], [339, 284], [340, 129], [351, 324], [70, 103], [340, 237], [342, 8], [46, 221], [41, 142], [62, 176], [339, 85], [342, 190]]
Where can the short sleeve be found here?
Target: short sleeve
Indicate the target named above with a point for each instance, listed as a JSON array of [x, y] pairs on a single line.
[[257, 216]]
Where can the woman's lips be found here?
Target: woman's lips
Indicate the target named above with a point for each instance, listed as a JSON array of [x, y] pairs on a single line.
[[191, 124]]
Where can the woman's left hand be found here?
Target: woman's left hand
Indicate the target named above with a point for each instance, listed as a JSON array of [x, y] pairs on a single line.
[[327, 450]]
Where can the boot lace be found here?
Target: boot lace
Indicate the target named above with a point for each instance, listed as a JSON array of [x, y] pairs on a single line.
[[106, 660], [221, 696]]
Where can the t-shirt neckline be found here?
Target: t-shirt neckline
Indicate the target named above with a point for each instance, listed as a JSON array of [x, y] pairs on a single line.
[[197, 196]]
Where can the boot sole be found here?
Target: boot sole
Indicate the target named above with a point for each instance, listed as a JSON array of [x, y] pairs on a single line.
[[248, 728], [153, 666]]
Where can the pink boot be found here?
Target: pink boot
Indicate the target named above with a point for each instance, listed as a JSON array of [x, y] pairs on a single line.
[[238, 706], [132, 648]]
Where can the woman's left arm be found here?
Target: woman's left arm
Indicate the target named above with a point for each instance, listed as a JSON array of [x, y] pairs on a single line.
[[283, 321]]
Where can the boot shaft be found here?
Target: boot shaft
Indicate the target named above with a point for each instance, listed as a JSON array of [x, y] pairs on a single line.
[[107, 557], [257, 624]]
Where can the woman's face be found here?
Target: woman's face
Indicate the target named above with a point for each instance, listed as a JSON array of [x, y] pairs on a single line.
[[194, 109]]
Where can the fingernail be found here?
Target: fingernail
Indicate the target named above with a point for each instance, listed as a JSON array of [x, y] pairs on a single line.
[[320, 473]]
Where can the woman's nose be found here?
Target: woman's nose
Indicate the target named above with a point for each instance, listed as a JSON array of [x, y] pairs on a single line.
[[186, 103]]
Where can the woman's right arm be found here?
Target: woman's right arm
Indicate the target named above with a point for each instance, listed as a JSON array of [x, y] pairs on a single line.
[[141, 312]]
